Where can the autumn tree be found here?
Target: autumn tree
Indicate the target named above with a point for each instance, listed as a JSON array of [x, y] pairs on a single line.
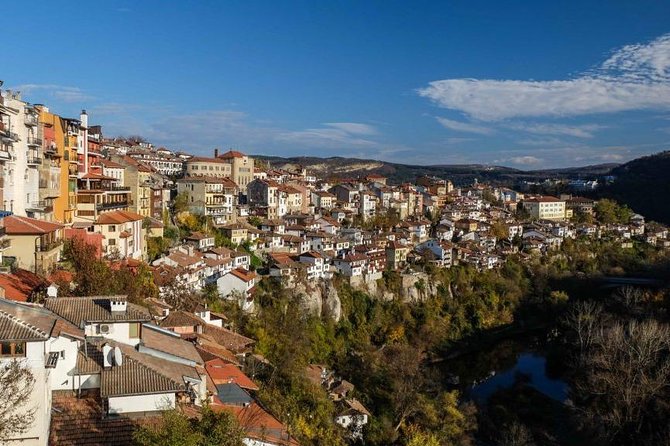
[[16, 386]]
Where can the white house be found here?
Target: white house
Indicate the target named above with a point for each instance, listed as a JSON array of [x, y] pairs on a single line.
[[238, 284]]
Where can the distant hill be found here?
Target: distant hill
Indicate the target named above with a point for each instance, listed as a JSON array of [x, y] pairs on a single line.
[[644, 185], [460, 174]]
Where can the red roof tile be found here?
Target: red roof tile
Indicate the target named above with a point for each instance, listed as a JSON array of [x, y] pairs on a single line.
[[224, 373], [15, 225]]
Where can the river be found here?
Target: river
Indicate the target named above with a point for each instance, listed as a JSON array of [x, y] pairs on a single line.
[[480, 374]]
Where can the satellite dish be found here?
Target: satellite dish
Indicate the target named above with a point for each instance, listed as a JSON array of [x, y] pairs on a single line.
[[118, 358]]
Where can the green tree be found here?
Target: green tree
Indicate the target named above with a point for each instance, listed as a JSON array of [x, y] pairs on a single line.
[[176, 429], [609, 211], [180, 203]]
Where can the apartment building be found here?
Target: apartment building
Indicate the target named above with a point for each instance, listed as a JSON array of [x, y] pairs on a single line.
[[545, 208], [214, 197], [22, 137], [56, 189]]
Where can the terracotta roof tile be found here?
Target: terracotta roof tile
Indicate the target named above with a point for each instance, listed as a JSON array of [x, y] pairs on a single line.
[[16, 225]]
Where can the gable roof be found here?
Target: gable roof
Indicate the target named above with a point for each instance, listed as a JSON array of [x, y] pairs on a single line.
[[78, 310], [226, 373], [117, 217], [16, 225], [20, 322]]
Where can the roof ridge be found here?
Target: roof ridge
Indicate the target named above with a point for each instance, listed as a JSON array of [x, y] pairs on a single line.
[[21, 322], [148, 367]]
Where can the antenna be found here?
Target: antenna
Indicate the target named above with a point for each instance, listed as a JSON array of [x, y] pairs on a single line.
[[118, 358]]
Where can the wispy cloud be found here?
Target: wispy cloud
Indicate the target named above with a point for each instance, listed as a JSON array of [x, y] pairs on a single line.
[[353, 128], [635, 77], [61, 93], [333, 135], [577, 131], [463, 126]]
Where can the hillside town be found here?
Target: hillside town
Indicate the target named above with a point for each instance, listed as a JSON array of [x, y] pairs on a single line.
[[223, 224]]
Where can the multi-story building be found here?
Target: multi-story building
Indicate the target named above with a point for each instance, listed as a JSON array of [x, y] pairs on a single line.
[[545, 208], [211, 167], [23, 139], [210, 196], [241, 167], [264, 196], [139, 177], [53, 172], [35, 245], [123, 235], [68, 206], [234, 165], [98, 194]]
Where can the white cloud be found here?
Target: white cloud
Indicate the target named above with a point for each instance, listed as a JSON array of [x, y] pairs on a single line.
[[463, 126], [577, 131], [635, 77], [353, 128], [527, 160]]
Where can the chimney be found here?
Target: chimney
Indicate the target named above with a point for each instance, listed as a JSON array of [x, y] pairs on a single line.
[[216, 153], [118, 304], [84, 119]]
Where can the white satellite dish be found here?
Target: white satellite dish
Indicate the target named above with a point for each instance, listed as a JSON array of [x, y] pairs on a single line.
[[118, 358]]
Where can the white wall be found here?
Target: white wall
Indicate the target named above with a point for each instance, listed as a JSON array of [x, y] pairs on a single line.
[[141, 403], [119, 332], [40, 398], [61, 376]]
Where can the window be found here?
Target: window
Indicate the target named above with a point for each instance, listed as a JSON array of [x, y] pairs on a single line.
[[12, 349], [111, 228], [134, 330], [112, 242]]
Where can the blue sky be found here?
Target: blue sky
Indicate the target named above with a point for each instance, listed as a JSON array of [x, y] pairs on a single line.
[[515, 83]]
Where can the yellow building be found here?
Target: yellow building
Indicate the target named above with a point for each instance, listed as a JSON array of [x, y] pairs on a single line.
[[56, 188]]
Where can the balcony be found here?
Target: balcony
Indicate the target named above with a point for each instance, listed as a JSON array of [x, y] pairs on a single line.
[[33, 141], [119, 188], [112, 205], [7, 135], [39, 206], [34, 160], [51, 150], [31, 120], [48, 246]]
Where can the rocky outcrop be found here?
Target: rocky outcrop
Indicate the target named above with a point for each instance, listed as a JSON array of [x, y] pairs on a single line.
[[320, 299]]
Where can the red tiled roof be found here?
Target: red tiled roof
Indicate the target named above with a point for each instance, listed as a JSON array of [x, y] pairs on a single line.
[[243, 274], [20, 285], [15, 225], [96, 176], [232, 154], [224, 373], [259, 424], [116, 217]]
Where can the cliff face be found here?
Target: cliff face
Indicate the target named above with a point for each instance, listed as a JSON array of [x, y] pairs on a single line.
[[321, 300]]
